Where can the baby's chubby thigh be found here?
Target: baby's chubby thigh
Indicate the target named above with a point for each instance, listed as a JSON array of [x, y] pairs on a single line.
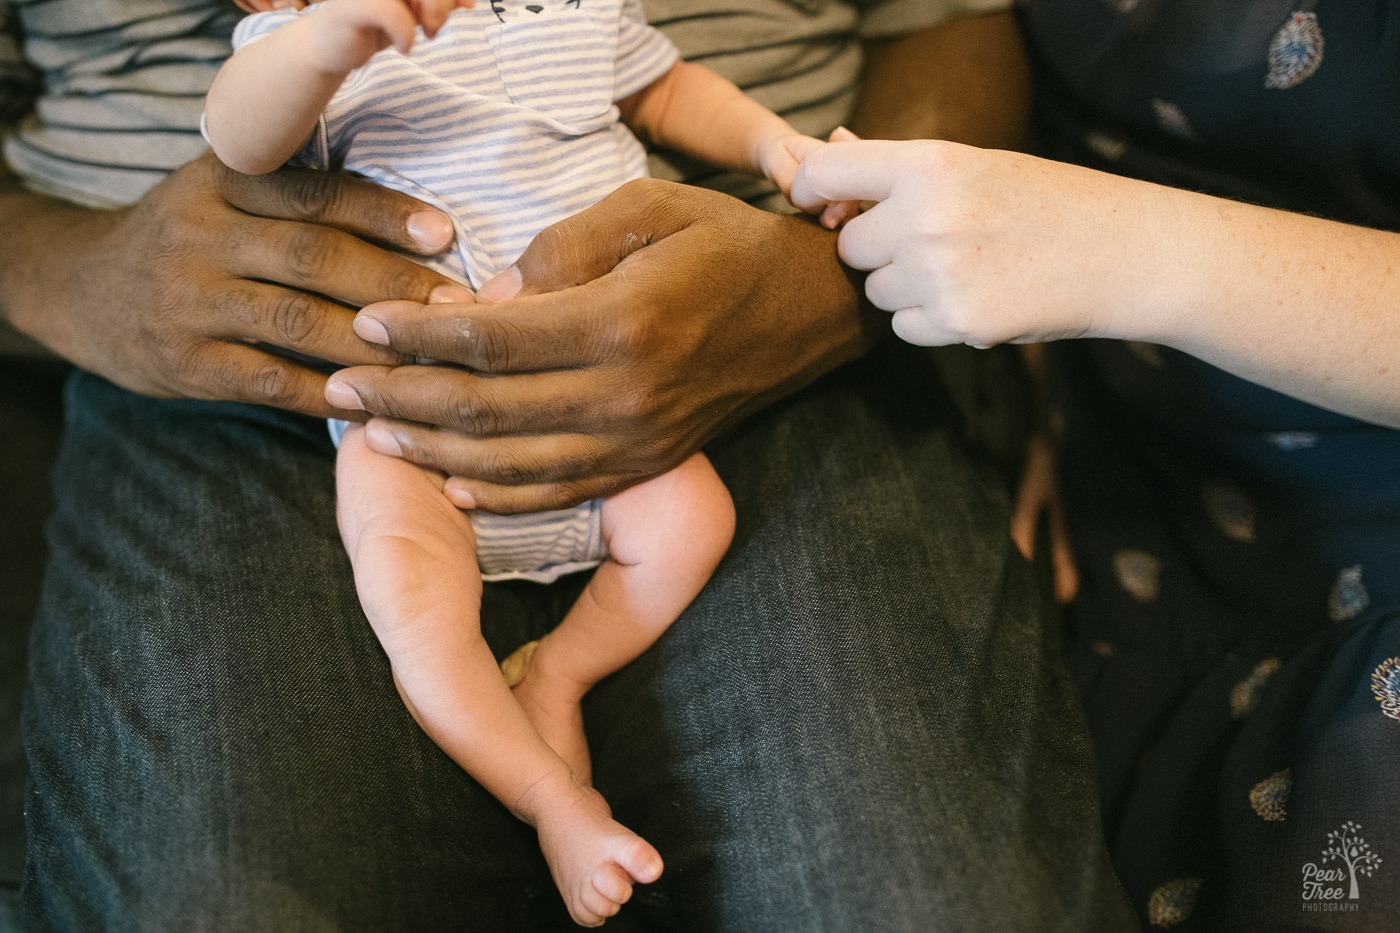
[[681, 522], [413, 552]]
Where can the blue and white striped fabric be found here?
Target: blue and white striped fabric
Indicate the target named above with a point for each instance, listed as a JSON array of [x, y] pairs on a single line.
[[508, 126], [110, 91]]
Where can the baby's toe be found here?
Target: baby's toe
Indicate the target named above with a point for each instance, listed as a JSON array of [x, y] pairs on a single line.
[[613, 883], [640, 859], [596, 906]]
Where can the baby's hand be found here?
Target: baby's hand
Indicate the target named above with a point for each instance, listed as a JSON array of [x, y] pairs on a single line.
[[349, 32], [781, 158], [373, 25], [431, 14]]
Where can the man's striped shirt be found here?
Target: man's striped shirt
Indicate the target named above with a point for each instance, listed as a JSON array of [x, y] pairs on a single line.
[[123, 81]]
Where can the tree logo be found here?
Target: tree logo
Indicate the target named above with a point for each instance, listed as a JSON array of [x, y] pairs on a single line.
[[1333, 883]]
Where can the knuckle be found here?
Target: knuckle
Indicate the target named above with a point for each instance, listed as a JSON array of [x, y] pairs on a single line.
[[179, 354], [473, 415], [635, 403], [405, 280], [650, 192], [567, 494], [201, 369], [560, 252], [304, 195], [507, 469], [236, 305], [308, 252], [174, 236], [937, 158], [294, 317], [492, 347], [270, 383]]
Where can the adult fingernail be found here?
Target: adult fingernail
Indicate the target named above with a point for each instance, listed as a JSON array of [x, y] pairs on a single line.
[[342, 396], [457, 494], [369, 329], [382, 439], [430, 229], [505, 285], [450, 294]]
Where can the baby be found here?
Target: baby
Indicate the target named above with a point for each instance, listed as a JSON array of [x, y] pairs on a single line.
[[508, 118]]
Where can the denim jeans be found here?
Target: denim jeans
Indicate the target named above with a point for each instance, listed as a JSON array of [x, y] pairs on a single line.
[[859, 725]]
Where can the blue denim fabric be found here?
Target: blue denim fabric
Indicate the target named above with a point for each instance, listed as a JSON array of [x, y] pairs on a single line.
[[855, 727], [30, 421]]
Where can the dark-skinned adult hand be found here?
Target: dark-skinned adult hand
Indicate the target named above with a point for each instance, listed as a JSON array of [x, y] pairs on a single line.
[[187, 292], [623, 339]]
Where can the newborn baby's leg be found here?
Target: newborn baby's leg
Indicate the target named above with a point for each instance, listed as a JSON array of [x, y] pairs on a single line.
[[415, 570], [554, 705], [413, 552], [664, 538]]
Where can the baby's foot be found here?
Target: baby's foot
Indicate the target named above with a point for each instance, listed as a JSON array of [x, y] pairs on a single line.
[[594, 859], [552, 708]]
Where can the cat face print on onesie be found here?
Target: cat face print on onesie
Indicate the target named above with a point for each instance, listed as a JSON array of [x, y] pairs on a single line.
[[513, 10]]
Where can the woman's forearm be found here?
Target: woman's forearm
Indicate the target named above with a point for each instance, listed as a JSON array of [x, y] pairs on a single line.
[[1306, 306]]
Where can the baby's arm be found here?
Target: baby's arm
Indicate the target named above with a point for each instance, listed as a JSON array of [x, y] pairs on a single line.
[[265, 101], [695, 111]]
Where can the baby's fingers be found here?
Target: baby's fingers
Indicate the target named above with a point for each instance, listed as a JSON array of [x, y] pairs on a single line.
[[431, 14], [837, 213]]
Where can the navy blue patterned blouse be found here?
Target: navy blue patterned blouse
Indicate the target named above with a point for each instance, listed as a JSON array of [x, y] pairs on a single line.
[[1237, 641]]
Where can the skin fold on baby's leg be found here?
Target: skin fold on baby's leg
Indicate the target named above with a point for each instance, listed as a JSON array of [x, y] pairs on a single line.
[[414, 557], [664, 538]]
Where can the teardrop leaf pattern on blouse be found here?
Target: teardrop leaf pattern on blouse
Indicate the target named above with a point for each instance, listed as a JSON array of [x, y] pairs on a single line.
[[1231, 510], [1172, 120], [1349, 597], [1295, 52], [1109, 147], [1245, 696], [1173, 902], [1269, 798], [1139, 573]]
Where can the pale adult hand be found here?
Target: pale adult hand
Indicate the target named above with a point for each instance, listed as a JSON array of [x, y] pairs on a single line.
[[192, 291], [980, 246], [642, 327]]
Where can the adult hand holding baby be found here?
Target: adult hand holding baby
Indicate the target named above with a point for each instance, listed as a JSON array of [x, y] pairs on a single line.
[[625, 337]]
